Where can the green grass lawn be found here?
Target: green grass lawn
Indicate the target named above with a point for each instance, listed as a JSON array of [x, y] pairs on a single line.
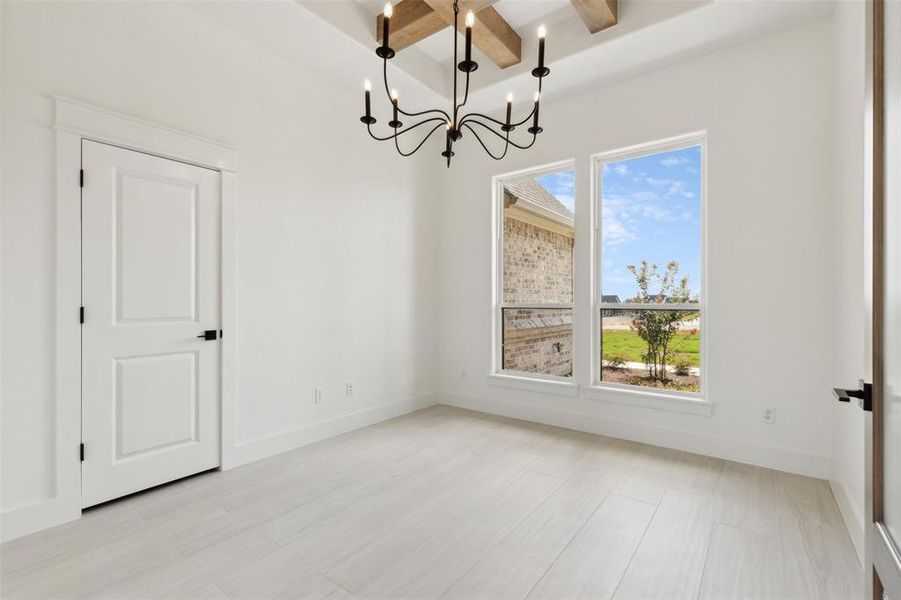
[[626, 344]]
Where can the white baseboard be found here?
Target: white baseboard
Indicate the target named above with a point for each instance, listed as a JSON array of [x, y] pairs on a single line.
[[852, 516], [276, 444], [782, 459], [31, 518], [18, 522]]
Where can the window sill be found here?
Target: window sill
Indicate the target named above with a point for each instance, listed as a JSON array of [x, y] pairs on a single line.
[[650, 399], [535, 384]]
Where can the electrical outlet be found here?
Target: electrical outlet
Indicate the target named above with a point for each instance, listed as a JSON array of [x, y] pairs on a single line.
[[769, 415], [348, 389], [317, 396]]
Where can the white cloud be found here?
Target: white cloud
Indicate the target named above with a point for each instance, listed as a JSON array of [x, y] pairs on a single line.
[[614, 232], [674, 161], [677, 188], [656, 212], [645, 196], [621, 169]]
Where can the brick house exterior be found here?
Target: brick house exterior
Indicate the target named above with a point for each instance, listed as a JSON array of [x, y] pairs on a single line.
[[538, 269]]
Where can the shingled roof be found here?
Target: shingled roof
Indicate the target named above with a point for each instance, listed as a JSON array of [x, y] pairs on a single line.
[[529, 190]]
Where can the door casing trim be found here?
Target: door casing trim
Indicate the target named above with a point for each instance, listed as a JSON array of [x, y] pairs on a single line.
[[73, 122]]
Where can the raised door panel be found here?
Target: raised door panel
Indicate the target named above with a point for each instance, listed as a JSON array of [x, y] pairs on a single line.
[[156, 234]]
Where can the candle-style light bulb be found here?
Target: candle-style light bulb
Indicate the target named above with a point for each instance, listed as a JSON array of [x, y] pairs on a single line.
[[470, 20], [367, 87], [394, 106], [542, 33], [389, 10], [535, 130], [536, 97], [509, 110]]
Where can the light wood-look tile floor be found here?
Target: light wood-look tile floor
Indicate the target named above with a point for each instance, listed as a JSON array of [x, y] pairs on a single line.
[[445, 503]]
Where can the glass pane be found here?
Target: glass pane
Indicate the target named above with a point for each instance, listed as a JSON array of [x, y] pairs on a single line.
[[538, 239], [538, 340], [651, 215], [652, 348]]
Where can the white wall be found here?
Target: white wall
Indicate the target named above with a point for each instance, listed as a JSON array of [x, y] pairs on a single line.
[[849, 293], [340, 276], [335, 236], [772, 326]]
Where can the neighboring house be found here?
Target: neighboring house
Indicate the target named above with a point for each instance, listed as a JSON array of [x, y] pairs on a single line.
[[538, 269], [610, 299]]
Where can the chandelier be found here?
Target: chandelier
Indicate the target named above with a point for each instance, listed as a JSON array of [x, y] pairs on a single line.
[[454, 124]]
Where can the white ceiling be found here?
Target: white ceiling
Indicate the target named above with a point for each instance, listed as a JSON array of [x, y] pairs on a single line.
[[650, 34]]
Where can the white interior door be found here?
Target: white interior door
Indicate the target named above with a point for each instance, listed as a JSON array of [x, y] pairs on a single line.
[[150, 287]]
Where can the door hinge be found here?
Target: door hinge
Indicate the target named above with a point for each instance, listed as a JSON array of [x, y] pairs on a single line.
[[81, 451], [81, 314], [81, 178]]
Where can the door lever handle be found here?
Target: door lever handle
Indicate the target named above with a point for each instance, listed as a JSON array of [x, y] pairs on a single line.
[[209, 334], [864, 395]]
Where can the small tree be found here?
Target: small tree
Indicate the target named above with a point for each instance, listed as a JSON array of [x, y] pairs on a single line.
[[657, 327]]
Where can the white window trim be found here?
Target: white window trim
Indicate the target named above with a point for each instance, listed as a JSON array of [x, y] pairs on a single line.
[[529, 382], [554, 384], [691, 402]]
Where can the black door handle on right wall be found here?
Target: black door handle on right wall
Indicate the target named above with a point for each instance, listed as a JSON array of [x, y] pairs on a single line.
[[864, 395]]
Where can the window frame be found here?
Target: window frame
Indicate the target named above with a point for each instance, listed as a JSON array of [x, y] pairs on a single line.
[[497, 372], [598, 160]]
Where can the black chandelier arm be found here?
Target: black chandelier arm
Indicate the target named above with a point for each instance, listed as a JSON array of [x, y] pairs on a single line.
[[418, 146], [469, 116], [399, 109], [505, 138], [485, 146], [404, 130], [451, 118]]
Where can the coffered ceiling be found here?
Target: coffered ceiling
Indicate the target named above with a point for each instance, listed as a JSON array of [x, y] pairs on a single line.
[[338, 38], [647, 34]]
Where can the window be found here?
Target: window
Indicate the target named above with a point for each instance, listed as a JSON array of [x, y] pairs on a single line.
[[534, 295], [649, 307]]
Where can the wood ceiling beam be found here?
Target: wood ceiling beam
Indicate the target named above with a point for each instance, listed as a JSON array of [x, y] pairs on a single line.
[[596, 14], [415, 20]]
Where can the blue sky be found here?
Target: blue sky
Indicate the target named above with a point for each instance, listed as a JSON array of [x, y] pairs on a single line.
[[650, 210], [562, 185]]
